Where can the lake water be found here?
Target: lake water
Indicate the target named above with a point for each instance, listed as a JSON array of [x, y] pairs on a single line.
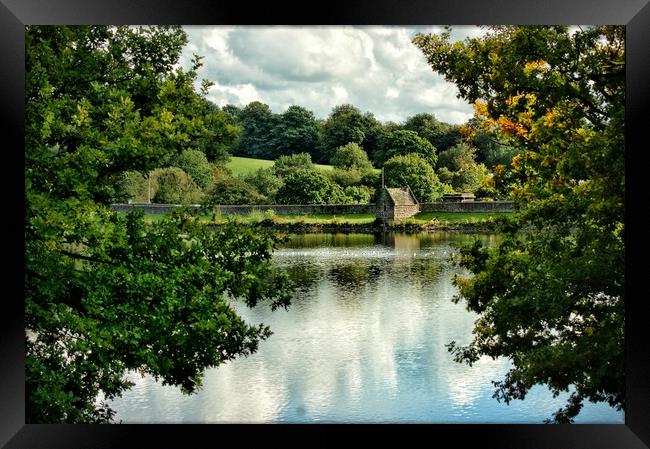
[[363, 341]]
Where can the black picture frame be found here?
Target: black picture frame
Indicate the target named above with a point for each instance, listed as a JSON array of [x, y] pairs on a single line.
[[15, 14]]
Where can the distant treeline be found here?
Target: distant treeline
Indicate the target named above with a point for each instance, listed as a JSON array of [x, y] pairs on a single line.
[[268, 135]]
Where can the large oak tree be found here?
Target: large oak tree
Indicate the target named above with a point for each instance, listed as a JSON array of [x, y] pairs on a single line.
[[550, 299], [106, 293]]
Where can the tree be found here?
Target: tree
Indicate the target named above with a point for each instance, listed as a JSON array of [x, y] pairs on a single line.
[[287, 164], [309, 186], [414, 171], [492, 149], [344, 125], [351, 156], [258, 124], [552, 299], [266, 183], [458, 168], [195, 164], [233, 190], [400, 143], [106, 292], [131, 186], [441, 135], [172, 185], [297, 132]]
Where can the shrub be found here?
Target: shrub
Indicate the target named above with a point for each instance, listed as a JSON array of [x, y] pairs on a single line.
[[131, 186], [195, 164], [233, 190], [309, 187], [173, 186], [351, 156]]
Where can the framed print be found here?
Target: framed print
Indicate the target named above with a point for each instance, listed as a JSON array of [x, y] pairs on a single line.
[[166, 424]]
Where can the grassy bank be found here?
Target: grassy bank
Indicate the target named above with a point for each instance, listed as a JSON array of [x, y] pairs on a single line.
[[426, 221]]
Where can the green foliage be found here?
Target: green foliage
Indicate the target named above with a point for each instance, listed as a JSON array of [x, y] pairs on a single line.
[[344, 125], [266, 183], [297, 132], [195, 164], [492, 148], [401, 143], [131, 186], [441, 135], [358, 194], [459, 169], [106, 293], [172, 185], [351, 156], [308, 186], [457, 156], [257, 123], [233, 190], [346, 178], [414, 171], [552, 299], [288, 164]]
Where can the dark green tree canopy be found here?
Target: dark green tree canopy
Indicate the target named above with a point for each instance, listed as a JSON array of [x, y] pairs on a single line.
[[401, 143], [297, 132], [104, 292], [345, 124], [551, 299], [441, 135], [258, 124]]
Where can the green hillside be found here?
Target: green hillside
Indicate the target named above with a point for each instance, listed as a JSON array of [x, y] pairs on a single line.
[[245, 165]]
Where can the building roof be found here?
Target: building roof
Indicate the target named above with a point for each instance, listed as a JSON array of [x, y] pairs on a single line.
[[401, 196]]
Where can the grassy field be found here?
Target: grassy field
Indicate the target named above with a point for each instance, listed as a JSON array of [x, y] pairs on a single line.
[[456, 217], [246, 165]]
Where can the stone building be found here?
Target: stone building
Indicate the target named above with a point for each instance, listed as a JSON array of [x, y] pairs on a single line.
[[396, 204]]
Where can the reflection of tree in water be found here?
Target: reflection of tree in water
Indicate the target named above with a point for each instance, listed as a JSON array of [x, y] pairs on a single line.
[[350, 276], [424, 271], [304, 275]]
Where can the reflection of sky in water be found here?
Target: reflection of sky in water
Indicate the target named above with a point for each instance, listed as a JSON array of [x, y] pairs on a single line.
[[363, 341]]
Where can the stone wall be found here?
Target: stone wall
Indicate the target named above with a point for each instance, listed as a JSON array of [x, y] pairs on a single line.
[[470, 206], [246, 209], [405, 211], [151, 208], [400, 211]]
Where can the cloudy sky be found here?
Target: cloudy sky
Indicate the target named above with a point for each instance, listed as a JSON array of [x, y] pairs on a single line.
[[375, 68]]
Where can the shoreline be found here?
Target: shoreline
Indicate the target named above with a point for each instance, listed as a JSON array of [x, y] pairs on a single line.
[[370, 228]]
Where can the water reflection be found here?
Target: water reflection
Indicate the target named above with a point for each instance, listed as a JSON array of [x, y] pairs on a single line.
[[362, 342]]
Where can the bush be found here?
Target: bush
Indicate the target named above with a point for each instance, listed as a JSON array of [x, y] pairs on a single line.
[[351, 156], [195, 164], [358, 194], [233, 190], [173, 186], [266, 183], [345, 178], [309, 187], [131, 186], [287, 164]]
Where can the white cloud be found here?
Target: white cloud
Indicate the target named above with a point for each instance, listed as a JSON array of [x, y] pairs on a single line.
[[375, 68]]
